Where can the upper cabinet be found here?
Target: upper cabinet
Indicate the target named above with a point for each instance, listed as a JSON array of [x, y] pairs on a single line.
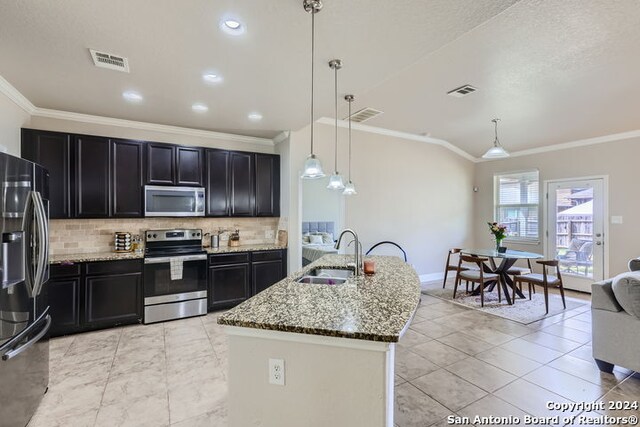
[[168, 164], [52, 150], [267, 177], [101, 177]]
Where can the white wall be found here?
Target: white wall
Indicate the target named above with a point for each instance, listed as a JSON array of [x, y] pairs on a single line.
[[321, 204], [417, 194], [618, 160], [12, 118]]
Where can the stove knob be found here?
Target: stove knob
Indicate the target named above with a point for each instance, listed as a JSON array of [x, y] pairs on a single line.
[[198, 234], [155, 235], [148, 236], [193, 234]]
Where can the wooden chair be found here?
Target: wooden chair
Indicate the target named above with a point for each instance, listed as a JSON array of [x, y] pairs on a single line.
[[475, 276], [518, 271], [544, 280], [454, 267]]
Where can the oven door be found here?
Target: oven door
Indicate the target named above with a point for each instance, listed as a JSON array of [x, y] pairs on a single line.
[[159, 281], [173, 201]]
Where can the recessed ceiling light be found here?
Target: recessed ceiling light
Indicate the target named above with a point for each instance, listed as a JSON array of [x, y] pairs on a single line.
[[232, 26], [132, 96], [255, 117], [199, 107], [212, 78]]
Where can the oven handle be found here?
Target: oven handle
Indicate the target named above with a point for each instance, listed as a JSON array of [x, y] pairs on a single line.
[[164, 260]]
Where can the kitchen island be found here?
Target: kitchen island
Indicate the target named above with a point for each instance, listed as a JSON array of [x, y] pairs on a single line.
[[337, 344]]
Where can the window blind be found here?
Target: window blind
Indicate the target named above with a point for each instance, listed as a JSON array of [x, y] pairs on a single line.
[[516, 204]]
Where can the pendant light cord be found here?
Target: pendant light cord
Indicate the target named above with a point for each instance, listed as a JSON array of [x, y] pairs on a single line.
[[313, 47], [350, 140], [496, 142], [335, 160]]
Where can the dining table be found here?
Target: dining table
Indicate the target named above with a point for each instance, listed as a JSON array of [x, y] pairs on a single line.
[[507, 259]]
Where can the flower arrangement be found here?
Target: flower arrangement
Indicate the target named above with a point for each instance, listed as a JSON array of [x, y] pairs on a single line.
[[499, 231]]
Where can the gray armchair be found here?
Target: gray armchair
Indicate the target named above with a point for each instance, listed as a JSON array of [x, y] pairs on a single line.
[[615, 310]]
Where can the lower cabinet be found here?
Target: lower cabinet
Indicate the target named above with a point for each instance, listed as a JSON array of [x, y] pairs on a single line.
[[236, 277], [86, 296]]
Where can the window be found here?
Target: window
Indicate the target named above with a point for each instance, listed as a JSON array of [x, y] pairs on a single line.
[[516, 204]]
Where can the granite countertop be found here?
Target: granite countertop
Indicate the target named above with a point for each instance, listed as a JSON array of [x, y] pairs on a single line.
[[115, 256], [374, 308]]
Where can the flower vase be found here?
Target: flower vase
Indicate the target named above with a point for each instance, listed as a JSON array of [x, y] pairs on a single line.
[[498, 244]]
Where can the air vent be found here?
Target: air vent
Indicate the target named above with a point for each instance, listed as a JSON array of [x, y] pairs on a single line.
[[462, 91], [363, 115], [110, 61]]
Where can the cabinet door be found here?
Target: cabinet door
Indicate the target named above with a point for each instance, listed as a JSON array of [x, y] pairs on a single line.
[[161, 162], [53, 151], [267, 177], [92, 173], [217, 183], [190, 166], [113, 300], [228, 285], [265, 274], [126, 179], [64, 304], [242, 187]]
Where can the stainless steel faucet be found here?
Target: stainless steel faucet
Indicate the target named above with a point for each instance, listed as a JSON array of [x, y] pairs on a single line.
[[356, 253]]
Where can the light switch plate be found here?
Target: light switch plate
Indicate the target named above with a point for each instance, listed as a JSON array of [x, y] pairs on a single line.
[[616, 219]]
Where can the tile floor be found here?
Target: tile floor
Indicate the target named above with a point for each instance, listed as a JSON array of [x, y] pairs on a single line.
[[452, 360]]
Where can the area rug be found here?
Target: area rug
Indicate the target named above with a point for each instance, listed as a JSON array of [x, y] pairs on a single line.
[[524, 311]]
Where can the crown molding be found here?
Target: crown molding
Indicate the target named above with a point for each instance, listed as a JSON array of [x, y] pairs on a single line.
[[281, 137], [131, 124], [398, 134], [14, 95]]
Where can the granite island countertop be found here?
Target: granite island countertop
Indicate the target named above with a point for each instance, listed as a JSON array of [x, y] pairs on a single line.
[[116, 256], [374, 308]]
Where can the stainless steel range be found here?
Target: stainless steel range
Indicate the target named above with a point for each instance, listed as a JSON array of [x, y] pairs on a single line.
[[175, 275]]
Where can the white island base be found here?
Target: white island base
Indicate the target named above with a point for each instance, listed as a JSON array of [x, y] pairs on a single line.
[[329, 381]]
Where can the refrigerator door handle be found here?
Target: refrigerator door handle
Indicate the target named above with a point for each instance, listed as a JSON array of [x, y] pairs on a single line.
[[27, 226], [16, 351], [15, 340], [43, 242]]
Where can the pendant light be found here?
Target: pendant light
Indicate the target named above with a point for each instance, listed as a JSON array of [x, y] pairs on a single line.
[[497, 151], [349, 189], [312, 166], [335, 181]]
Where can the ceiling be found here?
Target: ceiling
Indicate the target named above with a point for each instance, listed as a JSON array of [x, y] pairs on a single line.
[[553, 71]]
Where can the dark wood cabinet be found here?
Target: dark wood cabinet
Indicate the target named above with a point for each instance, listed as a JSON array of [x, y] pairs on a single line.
[[126, 179], [189, 165], [229, 281], [267, 179], [217, 183], [87, 296], [64, 304], [92, 172], [113, 299], [161, 164], [52, 150], [242, 190], [267, 268]]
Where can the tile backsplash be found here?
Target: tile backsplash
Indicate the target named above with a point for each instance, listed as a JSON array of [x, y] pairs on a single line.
[[72, 236]]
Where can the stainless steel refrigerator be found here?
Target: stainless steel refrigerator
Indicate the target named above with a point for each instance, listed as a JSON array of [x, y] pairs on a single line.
[[24, 271]]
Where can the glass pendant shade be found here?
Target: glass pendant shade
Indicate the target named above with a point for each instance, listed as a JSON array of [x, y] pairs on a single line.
[[335, 182], [495, 152], [349, 189], [312, 168]]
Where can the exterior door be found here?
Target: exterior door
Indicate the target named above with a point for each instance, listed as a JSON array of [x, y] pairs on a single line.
[[575, 231]]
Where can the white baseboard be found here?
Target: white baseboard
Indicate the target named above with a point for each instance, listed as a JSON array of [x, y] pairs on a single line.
[[431, 277]]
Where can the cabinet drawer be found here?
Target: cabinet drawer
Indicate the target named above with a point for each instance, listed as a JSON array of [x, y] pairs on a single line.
[[235, 258], [266, 255], [113, 267], [64, 270]]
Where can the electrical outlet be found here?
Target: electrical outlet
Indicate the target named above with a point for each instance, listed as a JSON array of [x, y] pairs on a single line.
[[269, 234], [276, 371]]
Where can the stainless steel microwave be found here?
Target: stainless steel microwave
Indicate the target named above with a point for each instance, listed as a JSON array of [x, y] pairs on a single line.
[[162, 200]]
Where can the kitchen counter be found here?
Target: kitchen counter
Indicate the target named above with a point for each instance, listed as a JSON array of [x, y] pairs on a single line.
[[374, 308], [115, 256]]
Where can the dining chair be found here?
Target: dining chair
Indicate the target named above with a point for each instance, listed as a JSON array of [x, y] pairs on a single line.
[[518, 271], [475, 276], [545, 280], [454, 267]]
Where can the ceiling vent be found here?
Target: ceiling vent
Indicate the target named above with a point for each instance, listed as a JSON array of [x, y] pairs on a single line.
[[363, 115], [110, 61], [462, 91]]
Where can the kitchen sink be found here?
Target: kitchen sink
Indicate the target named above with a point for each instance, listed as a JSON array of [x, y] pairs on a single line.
[[341, 273], [321, 280]]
